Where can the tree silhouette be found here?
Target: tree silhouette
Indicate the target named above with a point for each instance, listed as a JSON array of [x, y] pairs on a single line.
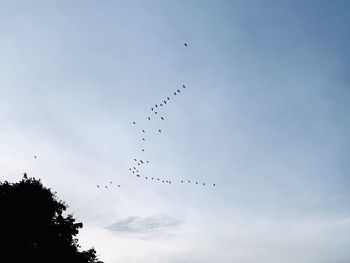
[[33, 227]]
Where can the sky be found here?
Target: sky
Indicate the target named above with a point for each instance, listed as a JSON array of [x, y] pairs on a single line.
[[264, 116]]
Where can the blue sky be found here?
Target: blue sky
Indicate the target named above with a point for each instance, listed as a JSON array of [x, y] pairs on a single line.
[[265, 117]]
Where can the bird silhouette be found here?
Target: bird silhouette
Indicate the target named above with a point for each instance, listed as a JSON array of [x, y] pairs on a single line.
[[156, 106], [137, 171], [162, 118], [164, 101], [147, 161], [161, 104], [185, 44], [184, 86], [168, 98], [111, 182], [203, 183], [35, 156], [118, 185], [162, 181], [106, 186], [138, 163], [155, 112], [143, 139], [166, 181], [141, 161], [146, 177], [213, 184], [130, 169], [175, 93], [135, 159], [98, 186], [196, 182], [138, 175], [189, 181], [143, 150], [134, 168], [159, 130], [178, 90], [152, 178], [151, 109], [182, 181], [149, 118], [134, 122], [133, 172], [158, 179], [143, 131]]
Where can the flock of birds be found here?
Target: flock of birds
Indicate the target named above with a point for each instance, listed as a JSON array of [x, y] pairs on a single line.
[[138, 163], [135, 169]]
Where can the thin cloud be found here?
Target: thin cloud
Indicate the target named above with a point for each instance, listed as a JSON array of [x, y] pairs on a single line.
[[145, 225]]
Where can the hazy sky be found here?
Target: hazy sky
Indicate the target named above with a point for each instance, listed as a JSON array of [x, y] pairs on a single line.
[[265, 117]]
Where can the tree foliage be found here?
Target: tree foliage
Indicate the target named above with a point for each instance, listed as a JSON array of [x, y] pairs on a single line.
[[33, 227]]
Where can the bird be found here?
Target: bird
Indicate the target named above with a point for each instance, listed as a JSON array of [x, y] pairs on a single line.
[[166, 181], [162, 118], [135, 159], [130, 169], [164, 101], [178, 90], [182, 181], [143, 150], [163, 181], [25, 176], [133, 172], [143, 131], [155, 112], [134, 122], [143, 139], [141, 161], [147, 161], [106, 186], [146, 177], [161, 104], [184, 86], [111, 182], [158, 179], [196, 182], [137, 171], [156, 106], [151, 109], [134, 168], [159, 130], [138, 175], [213, 184], [169, 182], [203, 183], [118, 185], [98, 186], [35, 156], [149, 118], [175, 93], [185, 44], [168, 98], [152, 178], [189, 181], [138, 163]]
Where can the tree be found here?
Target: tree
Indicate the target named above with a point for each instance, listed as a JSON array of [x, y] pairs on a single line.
[[33, 227]]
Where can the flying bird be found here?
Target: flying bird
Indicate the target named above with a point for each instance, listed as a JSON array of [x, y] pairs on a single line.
[[143, 131], [138, 175], [185, 44], [133, 172], [156, 106], [178, 90], [134, 168], [149, 118], [161, 104], [164, 101], [135, 159], [174, 93], [146, 177], [163, 181], [152, 178], [158, 179], [162, 118], [147, 161], [213, 184], [118, 185], [189, 181], [98, 186], [155, 112], [134, 122], [143, 139], [111, 182], [138, 163], [35, 156], [141, 161], [168, 98], [137, 171], [203, 183], [196, 182], [182, 181], [159, 130], [152, 109], [106, 186], [184, 86], [143, 150], [130, 169]]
